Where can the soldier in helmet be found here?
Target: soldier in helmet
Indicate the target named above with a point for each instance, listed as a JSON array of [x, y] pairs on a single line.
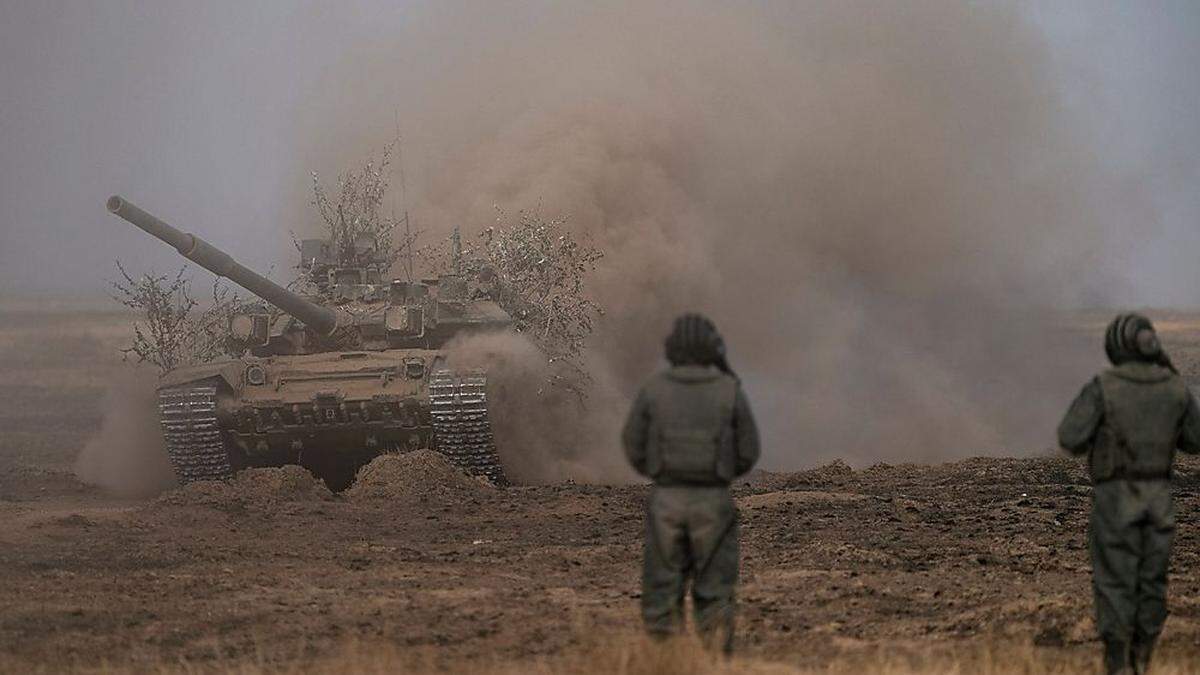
[[1129, 420], [692, 433]]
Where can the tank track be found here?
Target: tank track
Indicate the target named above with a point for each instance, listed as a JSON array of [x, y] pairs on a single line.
[[194, 442], [462, 431]]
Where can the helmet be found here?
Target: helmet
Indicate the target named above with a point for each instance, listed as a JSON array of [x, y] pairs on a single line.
[[1131, 337], [694, 340]]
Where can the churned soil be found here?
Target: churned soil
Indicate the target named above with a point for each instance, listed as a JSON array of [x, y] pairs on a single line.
[[259, 487], [421, 476], [271, 568]]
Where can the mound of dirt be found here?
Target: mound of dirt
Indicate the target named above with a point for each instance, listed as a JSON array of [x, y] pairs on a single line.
[[1048, 470], [836, 472], [893, 474], [759, 480], [252, 486], [421, 475]]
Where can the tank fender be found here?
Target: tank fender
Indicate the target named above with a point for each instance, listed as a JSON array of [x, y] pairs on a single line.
[[229, 371]]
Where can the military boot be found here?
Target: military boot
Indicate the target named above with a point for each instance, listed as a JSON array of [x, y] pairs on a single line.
[[1116, 658], [1139, 655]]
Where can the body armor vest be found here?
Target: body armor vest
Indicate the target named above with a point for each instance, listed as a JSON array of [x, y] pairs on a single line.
[[691, 435], [1143, 408]]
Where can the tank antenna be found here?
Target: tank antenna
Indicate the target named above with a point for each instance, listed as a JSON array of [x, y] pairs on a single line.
[[408, 239], [408, 244], [456, 251]]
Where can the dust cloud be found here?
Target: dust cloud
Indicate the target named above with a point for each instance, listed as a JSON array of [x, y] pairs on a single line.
[[879, 204], [544, 433], [128, 456]]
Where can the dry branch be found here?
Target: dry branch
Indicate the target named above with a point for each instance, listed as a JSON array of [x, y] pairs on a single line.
[[172, 330], [539, 269]]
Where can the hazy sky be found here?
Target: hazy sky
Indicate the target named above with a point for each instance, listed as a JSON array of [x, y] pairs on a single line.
[[1131, 72], [867, 196], [208, 115]]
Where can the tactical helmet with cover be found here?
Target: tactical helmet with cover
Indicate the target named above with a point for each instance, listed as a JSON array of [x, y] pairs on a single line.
[[1131, 337], [695, 341]]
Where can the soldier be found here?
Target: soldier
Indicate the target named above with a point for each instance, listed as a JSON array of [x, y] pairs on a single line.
[[692, 433], [1129, 420]]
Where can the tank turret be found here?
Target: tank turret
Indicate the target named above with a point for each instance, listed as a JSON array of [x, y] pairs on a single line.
[[351, 304]]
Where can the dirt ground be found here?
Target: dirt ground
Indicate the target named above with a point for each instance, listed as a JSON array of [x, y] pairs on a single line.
[[273, 570]]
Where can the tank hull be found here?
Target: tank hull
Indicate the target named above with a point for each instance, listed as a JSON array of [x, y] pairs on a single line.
[[331, 413]]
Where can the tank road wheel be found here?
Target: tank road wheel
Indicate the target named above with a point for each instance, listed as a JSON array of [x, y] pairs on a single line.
[[461, 428], [195, 445]]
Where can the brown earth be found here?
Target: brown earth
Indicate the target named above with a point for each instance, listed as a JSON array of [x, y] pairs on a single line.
[[271, 571]]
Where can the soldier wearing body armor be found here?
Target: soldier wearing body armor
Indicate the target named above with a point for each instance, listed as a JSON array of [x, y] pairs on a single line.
[[1129, 420], [692, 433]]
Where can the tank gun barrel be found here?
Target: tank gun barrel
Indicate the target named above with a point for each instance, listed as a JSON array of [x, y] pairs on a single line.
[[321, 319]]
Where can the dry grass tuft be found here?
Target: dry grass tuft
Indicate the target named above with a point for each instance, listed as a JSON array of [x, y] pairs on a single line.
[[634, 655]]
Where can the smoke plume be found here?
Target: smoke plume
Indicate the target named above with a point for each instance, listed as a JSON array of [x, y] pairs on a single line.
[[876, 203], [544, 433], [128, 456]]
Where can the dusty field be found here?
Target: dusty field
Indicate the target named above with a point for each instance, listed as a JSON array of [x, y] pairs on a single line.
[[947, 567]]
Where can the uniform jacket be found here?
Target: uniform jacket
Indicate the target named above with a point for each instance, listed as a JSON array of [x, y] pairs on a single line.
[[1129, 420], [691, 425]]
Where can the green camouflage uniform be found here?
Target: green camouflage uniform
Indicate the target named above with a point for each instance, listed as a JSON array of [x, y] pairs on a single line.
[[691, 432], [1129, 421]]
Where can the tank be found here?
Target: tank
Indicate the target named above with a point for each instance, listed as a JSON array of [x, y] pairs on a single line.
[[328, 379]]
